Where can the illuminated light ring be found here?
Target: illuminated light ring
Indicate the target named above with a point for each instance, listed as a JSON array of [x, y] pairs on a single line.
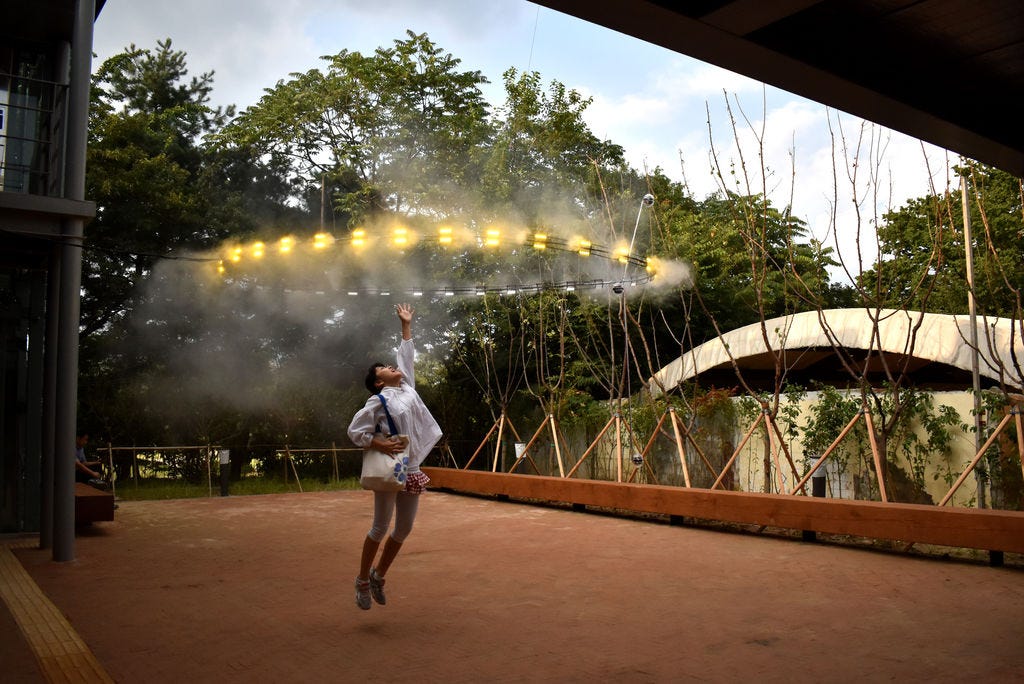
[[506, 290], [537, 241]]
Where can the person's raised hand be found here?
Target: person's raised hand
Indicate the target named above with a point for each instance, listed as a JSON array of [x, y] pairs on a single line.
[[404, 312]]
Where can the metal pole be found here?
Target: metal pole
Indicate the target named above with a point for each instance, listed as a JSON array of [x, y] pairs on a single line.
[[972, 310], [66, 400], [46, 505], [225, 471]]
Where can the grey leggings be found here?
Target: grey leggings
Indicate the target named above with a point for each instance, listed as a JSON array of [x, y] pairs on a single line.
[[403, 505]]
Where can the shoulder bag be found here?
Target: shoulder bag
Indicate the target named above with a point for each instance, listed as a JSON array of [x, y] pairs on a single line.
[[384, 472]]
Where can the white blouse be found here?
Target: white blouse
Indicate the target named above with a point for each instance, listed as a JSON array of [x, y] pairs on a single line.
[[407, 409]]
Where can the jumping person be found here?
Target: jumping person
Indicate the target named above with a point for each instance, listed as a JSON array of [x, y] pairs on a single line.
[[369, 429]]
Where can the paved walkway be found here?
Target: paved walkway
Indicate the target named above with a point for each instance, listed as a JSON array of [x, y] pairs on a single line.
[[259, 589]]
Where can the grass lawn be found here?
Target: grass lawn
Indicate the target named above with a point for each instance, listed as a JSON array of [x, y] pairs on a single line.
[[163, 488]]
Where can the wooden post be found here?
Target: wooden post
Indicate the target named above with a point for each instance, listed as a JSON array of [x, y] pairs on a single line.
[[875, 453], [110, 464], [497, 449], [558, 448], [618, 448], [334, 462], [679, 446], [1020, 439], [773, 449]]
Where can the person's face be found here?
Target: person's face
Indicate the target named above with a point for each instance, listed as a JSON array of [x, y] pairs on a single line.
[[388, 375], [82, 440]]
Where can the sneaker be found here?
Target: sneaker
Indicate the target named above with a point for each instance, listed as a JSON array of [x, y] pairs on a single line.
[[363, 593], [377, 587]]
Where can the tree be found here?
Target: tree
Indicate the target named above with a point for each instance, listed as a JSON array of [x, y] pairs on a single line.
[[161, 194], [544, 157], [397, 131]]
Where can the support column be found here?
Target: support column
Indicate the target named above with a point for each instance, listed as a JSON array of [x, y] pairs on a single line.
[[66, 398]]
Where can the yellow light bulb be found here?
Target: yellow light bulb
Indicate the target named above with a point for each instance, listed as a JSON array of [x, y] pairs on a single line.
[[257, 250], [358, 237], [322, 240], [285, 245]]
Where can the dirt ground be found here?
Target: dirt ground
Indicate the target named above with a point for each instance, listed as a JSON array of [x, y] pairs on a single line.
[[259, 589]]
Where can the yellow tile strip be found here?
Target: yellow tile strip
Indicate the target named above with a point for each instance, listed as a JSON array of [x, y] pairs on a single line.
[[62, 655]]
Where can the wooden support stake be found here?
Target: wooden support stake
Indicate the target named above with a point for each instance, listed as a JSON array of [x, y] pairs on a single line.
[[591, 447], [773, 449], [288, 457], [618, 448], [111, 476], [875, 453], [785, 450], [831, 447], [526, 449], [736, 453], [679, 448], [1020, 440], [978, 456], [483, 443], [558, 448], [650, 443], [497, 448]]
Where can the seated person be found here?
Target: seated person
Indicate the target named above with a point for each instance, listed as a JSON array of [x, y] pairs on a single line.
[[87, 471]]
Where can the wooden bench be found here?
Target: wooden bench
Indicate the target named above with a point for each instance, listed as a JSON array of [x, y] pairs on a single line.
[[992, 530], [92, 505]]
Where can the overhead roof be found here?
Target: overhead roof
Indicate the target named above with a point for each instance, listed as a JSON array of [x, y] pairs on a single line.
[[934, 350], [950, 72]]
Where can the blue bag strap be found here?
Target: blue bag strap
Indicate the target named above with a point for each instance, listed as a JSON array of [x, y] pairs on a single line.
[[391, 422]]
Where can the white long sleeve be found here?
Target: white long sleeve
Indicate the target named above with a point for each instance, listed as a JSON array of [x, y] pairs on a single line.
[[407, 409]]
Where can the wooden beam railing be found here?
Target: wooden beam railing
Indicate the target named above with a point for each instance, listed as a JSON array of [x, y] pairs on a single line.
[[992, 530]]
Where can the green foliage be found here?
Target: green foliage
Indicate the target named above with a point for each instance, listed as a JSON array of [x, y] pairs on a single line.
[[923, 265], [160, 191], [544, 159], [751, 262], [827, 418], [397, 131], [834, 410]]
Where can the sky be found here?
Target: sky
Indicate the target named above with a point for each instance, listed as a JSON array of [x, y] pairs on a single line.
[[665, 109]]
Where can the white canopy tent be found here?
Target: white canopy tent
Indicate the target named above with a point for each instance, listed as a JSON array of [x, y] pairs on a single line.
[[934, 348]]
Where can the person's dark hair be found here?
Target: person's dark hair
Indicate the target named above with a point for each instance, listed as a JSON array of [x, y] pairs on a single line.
[[371, 378]]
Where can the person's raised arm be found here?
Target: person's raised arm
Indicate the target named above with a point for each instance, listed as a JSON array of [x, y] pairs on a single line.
[[405, 313]]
